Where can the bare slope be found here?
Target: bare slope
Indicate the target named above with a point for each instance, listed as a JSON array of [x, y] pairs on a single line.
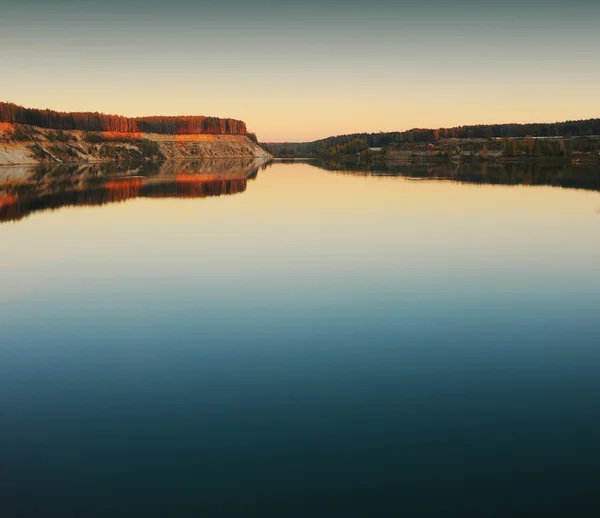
[[22, 144]]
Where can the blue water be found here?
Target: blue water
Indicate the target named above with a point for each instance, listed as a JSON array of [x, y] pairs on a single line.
[[316, 345]]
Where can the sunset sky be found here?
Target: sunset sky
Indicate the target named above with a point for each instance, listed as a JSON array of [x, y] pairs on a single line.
[[304, 70]]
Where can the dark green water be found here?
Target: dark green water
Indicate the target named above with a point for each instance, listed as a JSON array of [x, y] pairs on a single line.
[[225, 340]]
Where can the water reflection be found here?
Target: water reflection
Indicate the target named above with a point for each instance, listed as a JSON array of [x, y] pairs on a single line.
[[574, 176], [358, 341], [27, 190]]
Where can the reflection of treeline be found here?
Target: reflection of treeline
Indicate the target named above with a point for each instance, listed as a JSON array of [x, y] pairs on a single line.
[[576, 177], [51, 187], [95, 122], [26, 201], [182, 187], [513, 174]]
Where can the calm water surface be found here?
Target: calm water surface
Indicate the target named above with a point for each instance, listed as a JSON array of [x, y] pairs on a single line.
[[225, 340]]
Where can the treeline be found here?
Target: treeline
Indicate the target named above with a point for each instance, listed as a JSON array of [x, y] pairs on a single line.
[[563, 148], [87, 121], [580, 128], [537, 147]]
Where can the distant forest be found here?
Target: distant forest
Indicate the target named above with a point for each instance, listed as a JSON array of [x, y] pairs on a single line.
[[557, 129], [87, 121]]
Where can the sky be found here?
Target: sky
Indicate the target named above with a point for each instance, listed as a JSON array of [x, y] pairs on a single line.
[[303, 70]]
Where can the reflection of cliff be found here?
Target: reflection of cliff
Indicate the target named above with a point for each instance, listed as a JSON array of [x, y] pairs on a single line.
[[188, 187], [48, 189], [572, 176]]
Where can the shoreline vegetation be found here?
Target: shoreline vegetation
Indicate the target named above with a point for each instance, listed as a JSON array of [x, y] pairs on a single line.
[[564, 142], [45, 136], [100, 122]]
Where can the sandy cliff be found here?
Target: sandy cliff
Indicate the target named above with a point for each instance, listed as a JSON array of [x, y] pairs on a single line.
[[22, 144]]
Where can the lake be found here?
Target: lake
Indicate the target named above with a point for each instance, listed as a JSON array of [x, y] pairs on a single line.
[[245, 339]]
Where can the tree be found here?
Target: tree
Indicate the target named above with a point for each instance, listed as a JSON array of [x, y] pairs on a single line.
[[97, 122]]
